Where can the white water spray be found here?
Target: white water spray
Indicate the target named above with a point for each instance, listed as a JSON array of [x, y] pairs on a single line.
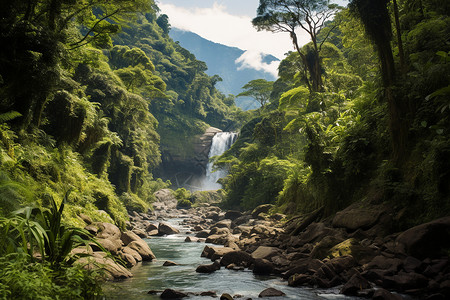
[[221, 142]]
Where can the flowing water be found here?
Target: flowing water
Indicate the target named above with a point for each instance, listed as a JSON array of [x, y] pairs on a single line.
[[154, 276], [221, 142]]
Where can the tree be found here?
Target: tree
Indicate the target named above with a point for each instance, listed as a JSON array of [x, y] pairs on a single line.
[[288, 16], [377, 22], [258, 89]]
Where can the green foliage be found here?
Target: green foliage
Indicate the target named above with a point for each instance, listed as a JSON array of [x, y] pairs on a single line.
[[184, 198], [259, 89], [20, 279]]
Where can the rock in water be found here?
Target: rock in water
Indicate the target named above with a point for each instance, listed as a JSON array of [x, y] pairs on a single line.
[[271, 292], [226, 296], [208, 268], [172, 294], [166, 229]]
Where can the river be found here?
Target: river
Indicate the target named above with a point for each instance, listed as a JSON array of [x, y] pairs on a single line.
[[154, 276]]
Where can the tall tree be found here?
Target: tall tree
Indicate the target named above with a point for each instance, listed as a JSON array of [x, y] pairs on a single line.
[[377, 22], [258, 89], [290, 15]]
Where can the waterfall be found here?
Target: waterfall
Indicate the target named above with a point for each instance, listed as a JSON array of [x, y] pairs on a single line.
[[221, 142]]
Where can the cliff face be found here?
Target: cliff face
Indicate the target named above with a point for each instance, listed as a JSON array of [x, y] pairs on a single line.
[[183, 165]]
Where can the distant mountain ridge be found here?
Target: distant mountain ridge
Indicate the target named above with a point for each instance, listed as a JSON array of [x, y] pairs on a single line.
[[221, 60]]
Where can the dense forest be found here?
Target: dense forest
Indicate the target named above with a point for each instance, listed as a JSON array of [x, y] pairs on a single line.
[[92, 93]]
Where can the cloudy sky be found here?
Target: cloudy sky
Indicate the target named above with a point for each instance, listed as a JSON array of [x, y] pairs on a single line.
[[228, 22]]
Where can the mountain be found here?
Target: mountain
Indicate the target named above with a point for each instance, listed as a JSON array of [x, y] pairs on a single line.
[[221, 60]]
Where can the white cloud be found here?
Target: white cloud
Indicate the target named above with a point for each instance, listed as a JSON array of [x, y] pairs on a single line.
[[254, 60], [217, 25]]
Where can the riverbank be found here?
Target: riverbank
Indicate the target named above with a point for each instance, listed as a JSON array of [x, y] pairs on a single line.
[[352, 252]]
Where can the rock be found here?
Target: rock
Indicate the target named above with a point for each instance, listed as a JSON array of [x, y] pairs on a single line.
[[169, 263], [190, 239], [412, 264], [232, 214], [112, 246], [166, 198], [315, 232], [265, 252], [215, 252], [107, 231], [209, 294], [129, 260], [354, 248], [129, 236], [166, 229], [405, 281], [172, 294], [382, 294], [143, 249], [92, 229], [322, 248], [140, 233], [384, 263], [426, 240], [239, 258], [114, 270], [341, 263], [264, 208], [81, 250], [219, 239], [202, 234], [263, 267], [226, 296], [299, 280], [355, 216], [222, 224], [241, 220], [133, 253], [271, 292], [208, 268], [355, 284], [85, 218], [304, 266], [151, 227]]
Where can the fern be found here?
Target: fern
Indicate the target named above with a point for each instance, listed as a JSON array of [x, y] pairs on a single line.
[[8, 116]]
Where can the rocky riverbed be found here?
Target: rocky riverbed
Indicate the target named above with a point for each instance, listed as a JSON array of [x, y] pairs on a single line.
[[352, 251]]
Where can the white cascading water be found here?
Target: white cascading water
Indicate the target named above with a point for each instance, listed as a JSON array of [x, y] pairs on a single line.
[[221, 142]]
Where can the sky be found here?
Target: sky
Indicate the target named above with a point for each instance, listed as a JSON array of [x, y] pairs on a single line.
[[228, 22]]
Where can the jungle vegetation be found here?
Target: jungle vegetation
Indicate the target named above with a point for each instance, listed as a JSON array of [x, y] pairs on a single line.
[[93, 91]]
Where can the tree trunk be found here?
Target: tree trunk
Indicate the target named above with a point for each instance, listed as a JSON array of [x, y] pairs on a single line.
[[401, 52]]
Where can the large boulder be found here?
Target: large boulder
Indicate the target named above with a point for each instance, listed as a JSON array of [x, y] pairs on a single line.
[[99, 259], [265, 252], [166, 229], [239, 258], [357, 216], [208, 268], [113, 246], [107, 231], [232, 214], [426, 240], [271, 292], [143, 249], [129, 236], [127, 250], [263, 208], [215, 252], [355, 284], [263, 267], [172, 294]]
